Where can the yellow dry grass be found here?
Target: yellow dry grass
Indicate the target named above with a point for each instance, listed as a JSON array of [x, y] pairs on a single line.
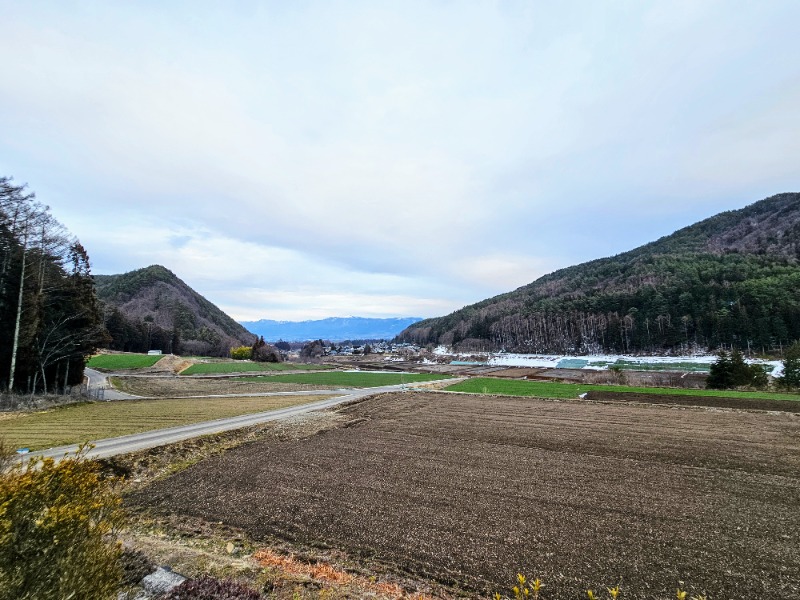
[[98, 420]]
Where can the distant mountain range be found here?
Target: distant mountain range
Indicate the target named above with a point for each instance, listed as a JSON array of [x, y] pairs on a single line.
[[152, 308], [732, 279], [334, 329]]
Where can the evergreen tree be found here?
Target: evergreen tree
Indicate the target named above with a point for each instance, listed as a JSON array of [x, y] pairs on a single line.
[[741, 374], [720, 374], [791, 368], [731, 371]]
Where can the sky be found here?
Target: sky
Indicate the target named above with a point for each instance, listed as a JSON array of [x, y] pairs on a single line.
[[301, 160]]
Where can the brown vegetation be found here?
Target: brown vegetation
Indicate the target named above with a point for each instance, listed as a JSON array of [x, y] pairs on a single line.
[[175, 387]]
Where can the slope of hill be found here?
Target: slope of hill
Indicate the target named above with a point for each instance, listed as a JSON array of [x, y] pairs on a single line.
[[732, 279], [172, 315], [334, 329]]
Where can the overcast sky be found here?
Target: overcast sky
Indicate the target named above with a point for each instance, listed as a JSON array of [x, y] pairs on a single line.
[[298, 160]]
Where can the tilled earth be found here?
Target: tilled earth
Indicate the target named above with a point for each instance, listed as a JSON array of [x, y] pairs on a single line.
[[709, 401], [469, 490]]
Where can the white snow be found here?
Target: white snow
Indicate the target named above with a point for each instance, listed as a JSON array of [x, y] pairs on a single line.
[[599, 362]]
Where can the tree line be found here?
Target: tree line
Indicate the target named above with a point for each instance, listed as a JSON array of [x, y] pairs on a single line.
[[49, 317], [641, 304], [730, 371]]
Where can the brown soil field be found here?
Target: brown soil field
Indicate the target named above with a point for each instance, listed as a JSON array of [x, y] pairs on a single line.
[[469, 490], [708, 401], [175, 387]]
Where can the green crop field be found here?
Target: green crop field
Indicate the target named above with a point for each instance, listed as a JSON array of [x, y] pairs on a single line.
[[211, 368], [546, 389], [350, 379], [79, 423], [689, 367], [112, 362]]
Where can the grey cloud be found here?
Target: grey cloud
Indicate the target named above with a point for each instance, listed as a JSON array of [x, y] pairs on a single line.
[[419, 153]]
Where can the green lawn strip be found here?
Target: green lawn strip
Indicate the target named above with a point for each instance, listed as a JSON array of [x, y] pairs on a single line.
[[98, 420], [247, 367], [123, 361], [347, 379], [546, 389], [631, 365]]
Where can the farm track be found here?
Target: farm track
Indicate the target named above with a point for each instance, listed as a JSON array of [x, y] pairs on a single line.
[[469, 490]]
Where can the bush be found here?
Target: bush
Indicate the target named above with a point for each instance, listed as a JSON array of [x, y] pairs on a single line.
[[135, 566], [208, 588], [264, 352], [57, 531], [242, 353], [529, 590], [791, 368], [315, 349], [730, 371]]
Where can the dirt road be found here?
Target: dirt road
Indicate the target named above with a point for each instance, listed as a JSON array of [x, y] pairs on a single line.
[[159, 437]]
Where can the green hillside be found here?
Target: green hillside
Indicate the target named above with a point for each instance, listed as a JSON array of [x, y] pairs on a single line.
[[731, 279]]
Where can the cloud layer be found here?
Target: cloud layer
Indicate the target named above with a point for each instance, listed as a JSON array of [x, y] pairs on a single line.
[[303, 160]]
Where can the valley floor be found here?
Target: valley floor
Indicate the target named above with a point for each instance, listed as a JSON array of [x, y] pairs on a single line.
[[469, 490]]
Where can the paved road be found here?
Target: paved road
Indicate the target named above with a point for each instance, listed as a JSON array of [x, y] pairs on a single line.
[[160, 437], [99, 387]]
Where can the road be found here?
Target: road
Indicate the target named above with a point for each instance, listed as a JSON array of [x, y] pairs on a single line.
[[150, 439], [99, 387]]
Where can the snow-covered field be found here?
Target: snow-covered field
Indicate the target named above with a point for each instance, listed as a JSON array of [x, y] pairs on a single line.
[[600, 362]]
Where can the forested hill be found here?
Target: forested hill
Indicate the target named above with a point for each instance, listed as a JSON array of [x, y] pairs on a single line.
[[152, 308], [732, 279]]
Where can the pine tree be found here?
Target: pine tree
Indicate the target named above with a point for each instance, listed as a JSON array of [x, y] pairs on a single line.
[[720, 373], [741, 373], [791, 367]]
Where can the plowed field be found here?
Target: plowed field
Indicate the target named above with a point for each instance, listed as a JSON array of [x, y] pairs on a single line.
[[469, 490]]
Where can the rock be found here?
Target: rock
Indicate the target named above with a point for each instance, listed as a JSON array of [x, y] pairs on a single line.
[[161, 581]]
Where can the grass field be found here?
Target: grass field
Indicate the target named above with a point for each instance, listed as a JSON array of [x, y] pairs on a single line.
[[546, 389], [98, 420], [213, 368], [350, 379], [689, 367], [113, 362]]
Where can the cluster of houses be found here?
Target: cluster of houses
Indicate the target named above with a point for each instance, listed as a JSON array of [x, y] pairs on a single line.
[[369, 347]]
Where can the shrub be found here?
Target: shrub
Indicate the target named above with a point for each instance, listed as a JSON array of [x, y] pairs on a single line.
[[730, 371], [264, 352], [529, 590], [791, 368], [242, 353], [135, 566], [57, 531], [208, 588], [315, 349]]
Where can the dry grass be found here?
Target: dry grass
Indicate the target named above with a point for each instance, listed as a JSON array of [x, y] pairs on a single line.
[[330, 575], [98, 420], [176, 387]]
